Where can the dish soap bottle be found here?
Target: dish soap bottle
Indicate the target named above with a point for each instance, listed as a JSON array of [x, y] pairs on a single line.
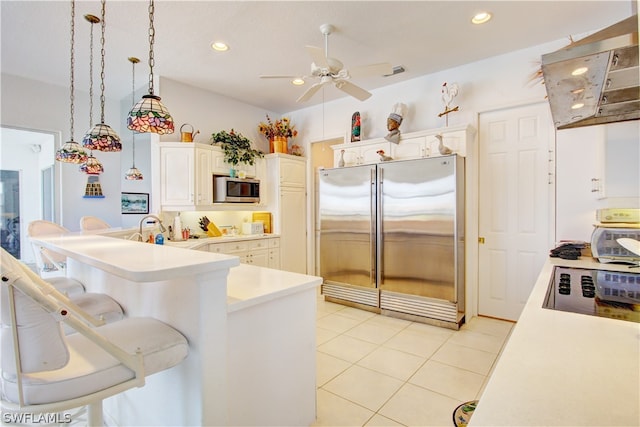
[[159, 239]]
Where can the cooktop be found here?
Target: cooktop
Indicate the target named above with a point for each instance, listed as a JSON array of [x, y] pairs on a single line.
[[603, 293]]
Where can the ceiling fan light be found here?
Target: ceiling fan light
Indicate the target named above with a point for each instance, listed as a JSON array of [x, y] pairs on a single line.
[[150, 115]]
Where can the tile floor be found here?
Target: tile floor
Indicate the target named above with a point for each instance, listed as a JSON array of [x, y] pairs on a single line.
[[375, 370]]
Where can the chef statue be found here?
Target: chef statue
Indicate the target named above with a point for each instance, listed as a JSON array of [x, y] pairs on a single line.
[[393, 122]]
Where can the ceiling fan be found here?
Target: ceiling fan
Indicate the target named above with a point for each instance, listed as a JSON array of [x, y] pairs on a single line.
[[330, 70]]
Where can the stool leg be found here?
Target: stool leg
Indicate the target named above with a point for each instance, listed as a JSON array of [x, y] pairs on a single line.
[[94, 414]]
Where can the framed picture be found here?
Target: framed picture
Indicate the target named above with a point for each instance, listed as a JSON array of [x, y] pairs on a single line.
[[135, 203]]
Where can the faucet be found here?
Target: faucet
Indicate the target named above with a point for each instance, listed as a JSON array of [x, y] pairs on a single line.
[[162, 229]]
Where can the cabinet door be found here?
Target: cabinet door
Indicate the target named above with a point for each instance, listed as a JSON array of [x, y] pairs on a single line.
[[274, 253], [203, 177], [293, 239], [177, 176], [292, 172], [369, 153], [412, 148], [259, 258]]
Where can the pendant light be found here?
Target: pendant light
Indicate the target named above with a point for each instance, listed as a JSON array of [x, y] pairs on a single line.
[[149, 115], [71, 151], [133, 174], [92, 166], [102, 137]]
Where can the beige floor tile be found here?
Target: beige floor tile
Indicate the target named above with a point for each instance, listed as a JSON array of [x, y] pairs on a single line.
[[372, 332], [392, 362], [328, 307], [390, 322], [489, 326], [416, 406], [454, 382], [324, 335], [337, 323], [328, 367], [379, 421], [477, 340], [414, 343], [477, 361], [363, 386], [433, 332], [347, 348], [356, 313], [335, 411]]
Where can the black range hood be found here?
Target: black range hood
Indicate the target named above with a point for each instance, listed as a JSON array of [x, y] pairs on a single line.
[[607, 90]]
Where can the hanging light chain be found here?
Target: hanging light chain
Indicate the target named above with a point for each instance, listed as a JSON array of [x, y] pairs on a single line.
[[152, 36], [71, 96], [102, 66], [91, 75]]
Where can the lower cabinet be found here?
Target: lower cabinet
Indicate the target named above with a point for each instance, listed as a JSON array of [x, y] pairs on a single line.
[[264, 252]]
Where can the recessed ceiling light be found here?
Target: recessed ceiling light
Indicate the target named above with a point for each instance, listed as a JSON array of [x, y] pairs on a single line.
[[579, 71], [297, 82], [481, 18], [219, 46]]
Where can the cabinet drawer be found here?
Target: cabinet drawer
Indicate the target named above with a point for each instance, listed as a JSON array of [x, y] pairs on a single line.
[[274, 243], [258, 244], [232, 247]]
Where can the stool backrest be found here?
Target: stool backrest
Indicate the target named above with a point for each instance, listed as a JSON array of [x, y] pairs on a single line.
[[93, 223], [45, 257], [40, 339]]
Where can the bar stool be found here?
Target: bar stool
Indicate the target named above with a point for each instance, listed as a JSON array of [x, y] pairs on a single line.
[[88, 223], [100, 306], [45, 371]]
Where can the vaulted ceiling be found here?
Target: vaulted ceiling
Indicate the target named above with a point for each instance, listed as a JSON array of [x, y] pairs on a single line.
[[269, 37]]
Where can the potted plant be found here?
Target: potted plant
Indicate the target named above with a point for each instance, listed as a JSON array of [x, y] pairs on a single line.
[[277, 133], [237, 149]]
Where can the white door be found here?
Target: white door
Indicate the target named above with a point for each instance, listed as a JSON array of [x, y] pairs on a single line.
[[515, 207]]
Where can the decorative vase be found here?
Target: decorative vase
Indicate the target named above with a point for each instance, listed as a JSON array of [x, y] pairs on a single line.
[[232, 173], [278, 144], [341, 161]]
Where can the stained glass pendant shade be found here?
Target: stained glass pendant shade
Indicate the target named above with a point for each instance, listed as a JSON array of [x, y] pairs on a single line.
[[102, 137], [149, 115], [92, 166], [71, 151]]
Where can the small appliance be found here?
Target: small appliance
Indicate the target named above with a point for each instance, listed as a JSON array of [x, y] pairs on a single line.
[[235, 190], [252, 228]]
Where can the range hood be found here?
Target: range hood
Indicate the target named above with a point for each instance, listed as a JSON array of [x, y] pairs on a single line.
[[607, 90]]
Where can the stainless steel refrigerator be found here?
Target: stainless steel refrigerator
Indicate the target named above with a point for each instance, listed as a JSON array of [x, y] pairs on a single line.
[[392, 238]]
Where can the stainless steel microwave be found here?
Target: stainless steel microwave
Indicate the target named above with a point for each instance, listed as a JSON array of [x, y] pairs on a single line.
[[235, 190]]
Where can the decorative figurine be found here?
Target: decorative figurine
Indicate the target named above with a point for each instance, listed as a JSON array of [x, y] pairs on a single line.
[[448, 93], [394, 121], [355, 127], [443, 149], [341, 161], [383, 157]]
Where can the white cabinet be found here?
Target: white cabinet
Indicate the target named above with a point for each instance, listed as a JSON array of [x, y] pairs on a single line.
[[186, 181], [286, 176], [263, 252], [360, 154], [220, 167], [413, 145]]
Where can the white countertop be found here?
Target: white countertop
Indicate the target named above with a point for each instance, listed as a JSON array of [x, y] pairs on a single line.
[[565, 369], [249, 285], [195, 243], [136, 261]]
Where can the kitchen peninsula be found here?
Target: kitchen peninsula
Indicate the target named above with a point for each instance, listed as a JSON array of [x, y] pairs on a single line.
[[565, 369], [249, 328]]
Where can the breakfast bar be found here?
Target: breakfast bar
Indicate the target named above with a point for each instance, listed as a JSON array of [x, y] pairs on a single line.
[[249, 328]]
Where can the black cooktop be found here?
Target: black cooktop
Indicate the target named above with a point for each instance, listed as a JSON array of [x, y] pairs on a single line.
[[603, 293]]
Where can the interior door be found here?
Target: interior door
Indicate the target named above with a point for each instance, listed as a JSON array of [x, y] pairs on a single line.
[[515, 208]]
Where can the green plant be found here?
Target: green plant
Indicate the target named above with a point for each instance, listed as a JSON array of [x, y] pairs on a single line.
[[236, 147]]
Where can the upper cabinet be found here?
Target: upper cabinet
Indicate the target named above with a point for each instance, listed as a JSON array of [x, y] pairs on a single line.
[[412, 145], [186, 172]]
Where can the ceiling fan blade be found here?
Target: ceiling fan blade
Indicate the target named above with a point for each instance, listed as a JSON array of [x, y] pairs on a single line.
[[278, 77], [380, 69], [353, 90], [310, 92], [317, 56]]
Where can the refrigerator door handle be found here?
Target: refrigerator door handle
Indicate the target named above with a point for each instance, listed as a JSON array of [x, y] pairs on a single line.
[[372, 230], [379, 235]]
